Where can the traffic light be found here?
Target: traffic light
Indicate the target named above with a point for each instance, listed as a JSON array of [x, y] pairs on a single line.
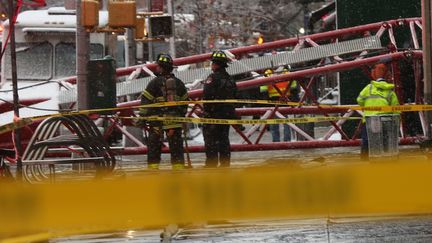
[[121, 14], [140, 31], [160, 26], [90, 13]]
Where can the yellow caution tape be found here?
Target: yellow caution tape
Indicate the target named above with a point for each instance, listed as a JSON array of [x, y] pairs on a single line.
[[398, 108], [28, 120], [193, 102], [402, 108], [156, 199], [15, 125], [239, 121]]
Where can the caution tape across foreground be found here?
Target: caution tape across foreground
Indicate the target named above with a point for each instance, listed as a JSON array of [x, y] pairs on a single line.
[[156, 199], [391, 109], [29, 120], [397, 108], [18, 124], [245, 121]]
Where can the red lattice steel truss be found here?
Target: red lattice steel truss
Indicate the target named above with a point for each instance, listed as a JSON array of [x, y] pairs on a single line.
[[392, 53]]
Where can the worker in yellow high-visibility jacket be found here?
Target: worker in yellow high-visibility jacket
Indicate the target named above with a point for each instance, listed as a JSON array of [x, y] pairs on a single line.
[[378, 93]]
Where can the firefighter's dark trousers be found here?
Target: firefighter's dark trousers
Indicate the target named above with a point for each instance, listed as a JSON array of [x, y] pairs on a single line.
[[175, 142], [217, 145]]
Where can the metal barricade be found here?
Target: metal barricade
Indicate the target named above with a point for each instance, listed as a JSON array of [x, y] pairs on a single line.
[[383, 135]]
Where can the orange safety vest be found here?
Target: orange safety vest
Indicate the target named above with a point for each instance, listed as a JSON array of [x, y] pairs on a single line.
[[272, 91]]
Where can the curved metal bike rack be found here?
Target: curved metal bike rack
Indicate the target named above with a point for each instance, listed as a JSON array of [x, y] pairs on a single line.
[[84, 134]]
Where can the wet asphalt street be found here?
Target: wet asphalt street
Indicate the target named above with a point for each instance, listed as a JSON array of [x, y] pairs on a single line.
[[397, 229], [366, 229]]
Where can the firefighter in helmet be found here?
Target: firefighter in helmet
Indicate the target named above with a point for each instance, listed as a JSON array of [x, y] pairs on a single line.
[[268, 73], [163, 88], [218, 86]]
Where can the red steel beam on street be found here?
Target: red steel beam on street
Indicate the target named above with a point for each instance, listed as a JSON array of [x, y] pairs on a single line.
[[253, 147]]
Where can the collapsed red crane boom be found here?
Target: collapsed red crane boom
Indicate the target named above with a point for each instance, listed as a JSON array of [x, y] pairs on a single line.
[[378, 29]]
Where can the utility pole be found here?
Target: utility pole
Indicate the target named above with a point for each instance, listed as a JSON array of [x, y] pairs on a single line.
[[172, 49], [82, 58], [130, 47], [104, 4], [17, 132], [426, 39], [150, 44]]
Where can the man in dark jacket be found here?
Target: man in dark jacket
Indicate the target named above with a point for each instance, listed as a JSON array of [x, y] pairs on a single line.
[[218, 86], [164, 87]]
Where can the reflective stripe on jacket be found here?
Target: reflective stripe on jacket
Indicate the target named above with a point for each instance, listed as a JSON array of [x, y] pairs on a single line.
[[154, 93], [377, 93]]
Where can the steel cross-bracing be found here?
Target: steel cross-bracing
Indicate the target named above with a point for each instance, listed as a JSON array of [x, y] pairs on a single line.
[[308, 74]]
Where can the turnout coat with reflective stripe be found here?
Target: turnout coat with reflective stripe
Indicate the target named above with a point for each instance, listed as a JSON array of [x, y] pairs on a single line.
[[155, 92]]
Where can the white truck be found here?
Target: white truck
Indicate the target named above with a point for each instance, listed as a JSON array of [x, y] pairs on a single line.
[[46, 53]]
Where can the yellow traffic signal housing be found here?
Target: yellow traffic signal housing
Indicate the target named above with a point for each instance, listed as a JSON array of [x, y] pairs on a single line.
[[121, 13], [90, 13], [140, 31]]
